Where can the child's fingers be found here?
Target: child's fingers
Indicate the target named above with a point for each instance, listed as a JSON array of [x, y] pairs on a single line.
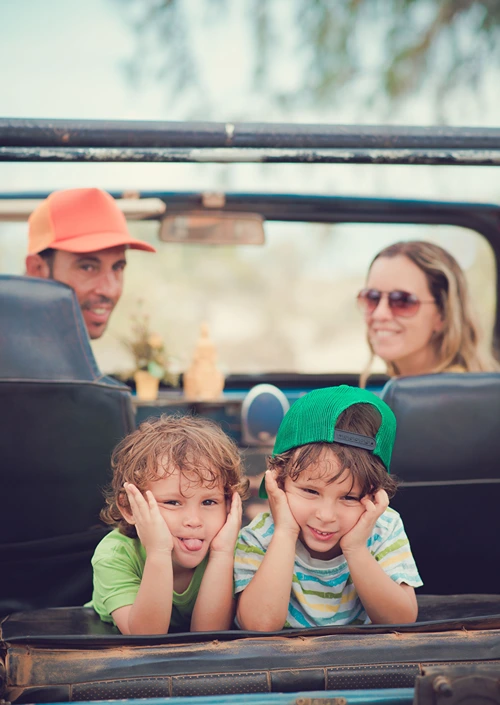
[[271, 484], [381, 501], [132, 492], [381, 497], [375, 507], [236, 510], [367, 503], [131, 489], [371, 512], [152, 503], [236, 505], [138, 505], [134, 496]]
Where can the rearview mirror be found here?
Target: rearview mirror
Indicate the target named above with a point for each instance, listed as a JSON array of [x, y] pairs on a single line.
[[213, 228]]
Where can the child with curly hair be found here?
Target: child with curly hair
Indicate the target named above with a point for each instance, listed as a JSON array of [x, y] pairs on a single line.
[[175, 502]]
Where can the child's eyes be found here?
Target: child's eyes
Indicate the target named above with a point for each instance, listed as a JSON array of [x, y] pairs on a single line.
[[176, 503], [308, 490], [350, 498]]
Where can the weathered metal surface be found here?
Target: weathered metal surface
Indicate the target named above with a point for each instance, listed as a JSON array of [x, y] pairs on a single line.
[[260, 155], [152, 141], [15, 132], [458, 685], [245, 666], [28, 666], [79, 627]]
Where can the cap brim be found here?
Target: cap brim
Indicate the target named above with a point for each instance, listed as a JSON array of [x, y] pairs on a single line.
[[262, 489], [100, 241]]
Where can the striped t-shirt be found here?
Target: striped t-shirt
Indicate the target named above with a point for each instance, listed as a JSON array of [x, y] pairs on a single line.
[[322, 592]]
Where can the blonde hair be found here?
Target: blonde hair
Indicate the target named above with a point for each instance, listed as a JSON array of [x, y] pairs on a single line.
[[459, 344], [159, 446]]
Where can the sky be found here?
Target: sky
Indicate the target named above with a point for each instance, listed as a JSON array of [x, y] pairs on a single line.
[[66, 58]]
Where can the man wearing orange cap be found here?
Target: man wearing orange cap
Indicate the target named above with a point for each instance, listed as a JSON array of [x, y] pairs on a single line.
[[79, 237]]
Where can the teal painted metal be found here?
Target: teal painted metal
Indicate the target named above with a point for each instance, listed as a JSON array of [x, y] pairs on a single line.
[[385, 696]]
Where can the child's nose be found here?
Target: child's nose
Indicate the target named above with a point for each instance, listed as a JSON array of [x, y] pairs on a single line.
[[326, 512], [192, 519]]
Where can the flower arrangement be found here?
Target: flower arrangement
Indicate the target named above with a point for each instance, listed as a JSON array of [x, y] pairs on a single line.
[[148, 350]]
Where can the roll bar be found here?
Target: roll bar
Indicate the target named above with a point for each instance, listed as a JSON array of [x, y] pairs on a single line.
[[155, 141]]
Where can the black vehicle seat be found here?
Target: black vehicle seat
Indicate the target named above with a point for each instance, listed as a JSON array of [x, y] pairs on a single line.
[[60, 421], [447, 453]]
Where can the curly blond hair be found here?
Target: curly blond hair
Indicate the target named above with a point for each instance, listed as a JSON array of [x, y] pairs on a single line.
[[190, 444]]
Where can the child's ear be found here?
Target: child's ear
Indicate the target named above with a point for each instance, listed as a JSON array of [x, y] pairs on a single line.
[[125, 511]]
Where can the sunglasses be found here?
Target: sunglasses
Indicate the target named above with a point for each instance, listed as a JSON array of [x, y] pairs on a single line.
[[401, 303]]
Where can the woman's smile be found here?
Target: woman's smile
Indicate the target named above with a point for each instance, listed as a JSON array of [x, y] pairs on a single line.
[[405, 341]]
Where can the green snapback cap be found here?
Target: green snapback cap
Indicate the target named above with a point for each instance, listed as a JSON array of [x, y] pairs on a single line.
[[312, 419]]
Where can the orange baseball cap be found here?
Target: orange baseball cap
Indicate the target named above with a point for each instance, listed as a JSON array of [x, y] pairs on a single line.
[[80, 220]]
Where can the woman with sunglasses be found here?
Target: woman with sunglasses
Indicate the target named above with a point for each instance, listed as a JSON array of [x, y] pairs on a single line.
[[418, 314]]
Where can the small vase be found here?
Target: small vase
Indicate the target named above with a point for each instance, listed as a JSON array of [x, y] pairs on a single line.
[[203, 381], [146, 386]]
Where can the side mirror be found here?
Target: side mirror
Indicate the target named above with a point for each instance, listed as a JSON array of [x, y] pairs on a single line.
[[262, 412]]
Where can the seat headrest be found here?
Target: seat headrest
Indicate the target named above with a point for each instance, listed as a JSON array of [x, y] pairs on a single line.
[[42, 332], [448, 426]]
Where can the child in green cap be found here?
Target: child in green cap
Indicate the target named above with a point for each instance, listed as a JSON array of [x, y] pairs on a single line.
[[331, 552]]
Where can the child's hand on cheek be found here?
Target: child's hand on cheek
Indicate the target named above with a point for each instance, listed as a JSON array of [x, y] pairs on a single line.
[[151, 528], [358, 536], [280, 509], [225, 540]]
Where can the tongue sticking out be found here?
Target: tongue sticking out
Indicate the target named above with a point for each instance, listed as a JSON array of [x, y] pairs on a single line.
[[192, 544]]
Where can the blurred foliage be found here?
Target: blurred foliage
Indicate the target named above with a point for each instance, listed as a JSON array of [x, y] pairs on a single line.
[[147, 348], [391, 47]]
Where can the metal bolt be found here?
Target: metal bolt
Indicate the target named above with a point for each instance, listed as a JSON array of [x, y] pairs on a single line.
[[442, 686]]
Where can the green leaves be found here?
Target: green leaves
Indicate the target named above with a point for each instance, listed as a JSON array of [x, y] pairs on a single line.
[[156, 370], [384, 50], [148, 349]]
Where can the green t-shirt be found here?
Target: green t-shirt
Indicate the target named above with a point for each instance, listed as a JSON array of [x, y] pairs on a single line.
[[118, 564]]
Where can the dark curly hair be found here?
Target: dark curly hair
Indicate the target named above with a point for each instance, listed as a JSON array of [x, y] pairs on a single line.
[[190, 444]]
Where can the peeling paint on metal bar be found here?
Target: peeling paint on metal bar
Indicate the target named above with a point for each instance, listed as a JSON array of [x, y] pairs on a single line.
[[234, 155]]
